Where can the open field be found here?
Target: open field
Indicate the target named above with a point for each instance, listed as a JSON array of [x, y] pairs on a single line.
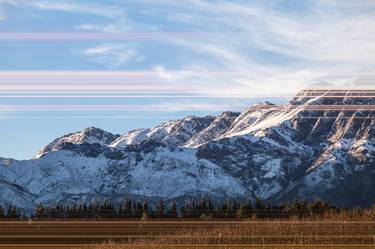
[[127, 234]]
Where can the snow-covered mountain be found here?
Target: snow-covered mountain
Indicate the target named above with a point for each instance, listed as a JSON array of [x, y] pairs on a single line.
[[320, 145]]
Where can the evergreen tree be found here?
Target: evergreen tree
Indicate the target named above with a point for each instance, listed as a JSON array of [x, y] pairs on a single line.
[[298, 208], [185, 211], [259, 204], [40, 211], [224, 212], [192, 209], [244, 211], [128, 211], [210, 206], [172, 213], [145, 206], [138, 209], [85, 211], [106, 210], [160, 208], [202, 206], [259, 207], [2, 213], [318, 207]]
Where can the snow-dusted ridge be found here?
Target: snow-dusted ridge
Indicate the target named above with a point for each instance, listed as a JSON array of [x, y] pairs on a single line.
[[278, 153], [175, 133], [89, 135]]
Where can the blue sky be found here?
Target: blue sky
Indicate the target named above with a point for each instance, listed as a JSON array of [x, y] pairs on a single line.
[[120, 65]]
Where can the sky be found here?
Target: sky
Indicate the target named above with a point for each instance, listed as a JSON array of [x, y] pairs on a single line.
[[122, 65]]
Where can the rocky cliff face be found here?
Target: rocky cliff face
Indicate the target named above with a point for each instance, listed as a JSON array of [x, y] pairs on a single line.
[[319, 145]]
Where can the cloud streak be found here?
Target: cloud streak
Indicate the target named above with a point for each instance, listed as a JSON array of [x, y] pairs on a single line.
[[68, 6], [113, 54], [276, 50], [266, 48]]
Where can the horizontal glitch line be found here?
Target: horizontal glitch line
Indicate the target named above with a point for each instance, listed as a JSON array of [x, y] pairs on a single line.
[[96, 87], [117, 96], [95, 91], [190, 107], [94, 36], [115, 107], [32, 74], [142, 118], [346, 89], [338, 96], [156, 96], [86, 117]]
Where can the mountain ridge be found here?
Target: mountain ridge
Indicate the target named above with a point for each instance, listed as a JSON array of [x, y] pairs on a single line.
[[319, 145]]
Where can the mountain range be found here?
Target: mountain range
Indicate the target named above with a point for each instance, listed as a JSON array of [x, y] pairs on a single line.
[[320, 145]]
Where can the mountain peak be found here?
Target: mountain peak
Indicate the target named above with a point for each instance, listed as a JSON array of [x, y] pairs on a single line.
[[6, 161], [171, 133], [90, 135], [229, 114], [334, 97]]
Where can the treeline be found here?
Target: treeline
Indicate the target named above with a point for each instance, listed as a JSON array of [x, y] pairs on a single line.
[[203, 208], [11, 213]]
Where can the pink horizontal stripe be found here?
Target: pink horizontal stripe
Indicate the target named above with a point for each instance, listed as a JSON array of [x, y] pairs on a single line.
[[140, 118], [96, 92], [169, 107], [73, 95], [95, 87], [338, 96], [332, 89], [87, 84], [143, 73], [118, 96], [85, 117], [343, 107], [193, 106]]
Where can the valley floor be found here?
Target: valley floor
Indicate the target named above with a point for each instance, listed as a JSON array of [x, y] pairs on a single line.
[[249, 233]]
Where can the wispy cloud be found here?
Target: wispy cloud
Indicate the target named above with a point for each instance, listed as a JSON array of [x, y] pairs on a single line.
[[162, 72], [2, 14], [68, 6], [277, 50], [112, 28], [120, 24], [113, 54]]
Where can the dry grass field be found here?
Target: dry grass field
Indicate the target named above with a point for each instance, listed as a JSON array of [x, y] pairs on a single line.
[[325, 232], [257, 234]]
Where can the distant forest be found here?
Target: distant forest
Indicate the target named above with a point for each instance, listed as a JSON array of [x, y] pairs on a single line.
[[203, 209]]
